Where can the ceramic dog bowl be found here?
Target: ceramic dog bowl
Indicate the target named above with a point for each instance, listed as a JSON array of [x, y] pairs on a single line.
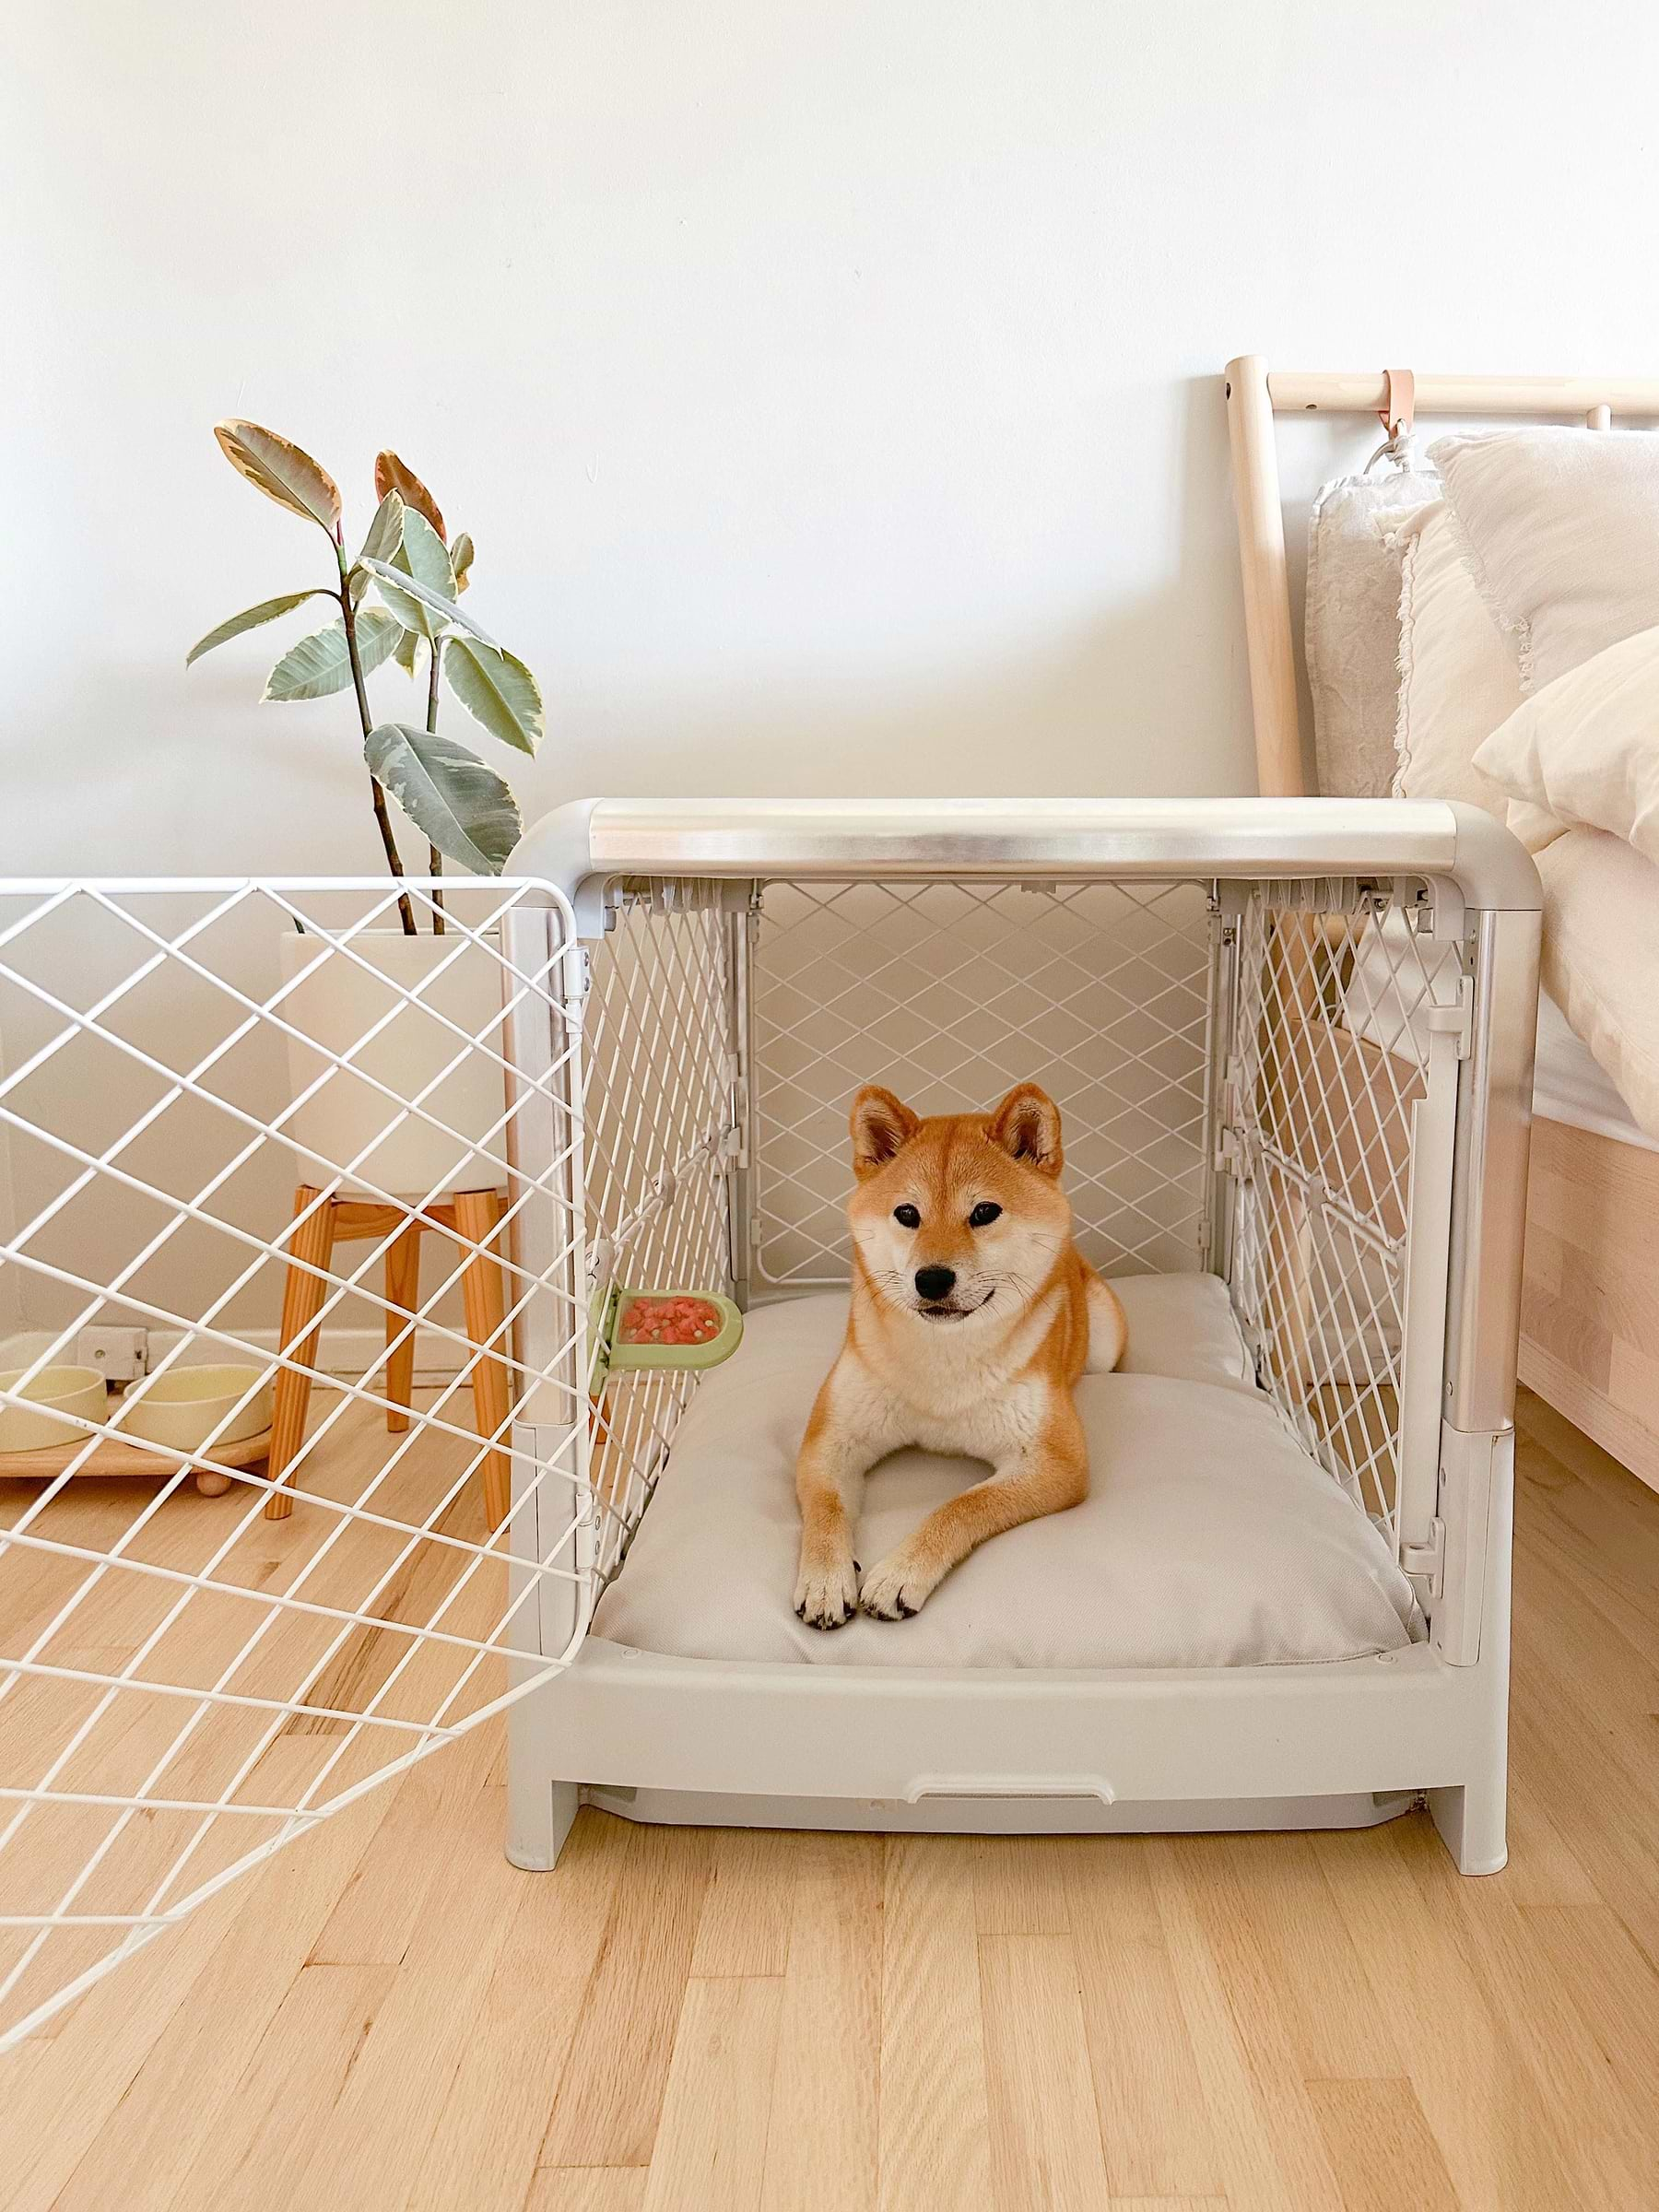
[[184, 1406], [80, 1392]]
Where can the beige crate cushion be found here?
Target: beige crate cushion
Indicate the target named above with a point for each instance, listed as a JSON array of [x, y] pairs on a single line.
[[1458, 678], [1209, 1537], [1560, 529]]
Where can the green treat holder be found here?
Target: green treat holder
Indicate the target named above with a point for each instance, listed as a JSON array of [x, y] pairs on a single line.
[[612, 1359]]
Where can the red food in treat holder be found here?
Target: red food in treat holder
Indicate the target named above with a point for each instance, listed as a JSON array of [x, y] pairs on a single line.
[[668, 1321]]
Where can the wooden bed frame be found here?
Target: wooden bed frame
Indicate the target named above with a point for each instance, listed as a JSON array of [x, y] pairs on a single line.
[[1589, 1312]]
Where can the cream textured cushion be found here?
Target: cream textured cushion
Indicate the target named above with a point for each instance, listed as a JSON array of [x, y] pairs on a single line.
[[1585, 750], [1349, 625], [1601, 918], [1561, 531], [1458, 679], [1209, 1538]]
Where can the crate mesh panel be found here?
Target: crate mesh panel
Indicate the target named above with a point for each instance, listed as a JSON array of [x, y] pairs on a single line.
[[185, 1682], [1335, 991], [659, 1104], [951, 992]]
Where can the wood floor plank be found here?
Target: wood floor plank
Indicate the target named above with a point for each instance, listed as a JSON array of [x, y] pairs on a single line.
[[1274, 1928], [826, 2086], [587, 2189], [484, 2150], [744, 1928], [1045, 2131], [1154, 2124], [1381, 2148], [1474, 2091], [372, 2147], [201, 2043], [254, 2153], [1267, 2165], [935, 2127], [710, 2153], [1019, 1885], [609, 2103]]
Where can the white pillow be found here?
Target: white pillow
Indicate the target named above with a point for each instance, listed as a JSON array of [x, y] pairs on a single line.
[[1209, 1536], [1561, 531], [1457, 676], [1601, 900], [1585, 749]]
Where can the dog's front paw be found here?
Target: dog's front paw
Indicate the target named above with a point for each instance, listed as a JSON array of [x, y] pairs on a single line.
[[896, 1587], [826, 1595]]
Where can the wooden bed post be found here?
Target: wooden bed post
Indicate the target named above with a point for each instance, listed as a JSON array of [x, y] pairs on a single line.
[[1266, 583]]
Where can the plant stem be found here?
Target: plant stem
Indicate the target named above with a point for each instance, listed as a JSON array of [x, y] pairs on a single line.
[[384, 820], [435, 858]]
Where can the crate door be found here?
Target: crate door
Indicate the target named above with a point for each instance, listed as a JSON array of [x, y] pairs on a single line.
[[293, 1441]]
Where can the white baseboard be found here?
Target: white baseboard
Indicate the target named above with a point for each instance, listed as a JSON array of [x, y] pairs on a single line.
[[349, 1353]]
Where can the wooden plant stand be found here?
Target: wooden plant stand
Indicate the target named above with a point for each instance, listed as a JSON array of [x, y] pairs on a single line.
[[473, 1217]]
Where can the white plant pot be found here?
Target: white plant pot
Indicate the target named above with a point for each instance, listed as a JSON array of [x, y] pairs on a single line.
[[348, 1117]]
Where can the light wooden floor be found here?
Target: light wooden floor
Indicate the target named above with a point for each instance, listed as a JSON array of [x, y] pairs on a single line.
[[390, 2017]]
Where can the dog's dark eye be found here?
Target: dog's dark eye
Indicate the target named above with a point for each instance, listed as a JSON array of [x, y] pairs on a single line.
[[983, 1214], [907, 1217]]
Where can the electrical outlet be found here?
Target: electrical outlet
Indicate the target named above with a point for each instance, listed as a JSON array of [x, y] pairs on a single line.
[[120, 1355]]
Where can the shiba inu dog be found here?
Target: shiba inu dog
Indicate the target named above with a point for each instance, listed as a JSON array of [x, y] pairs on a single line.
[[972, 1316]]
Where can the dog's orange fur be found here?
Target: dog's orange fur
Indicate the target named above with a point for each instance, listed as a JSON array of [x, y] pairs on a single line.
[[985, 1368]]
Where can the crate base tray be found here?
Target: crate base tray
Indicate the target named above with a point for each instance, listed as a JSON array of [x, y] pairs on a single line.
[[112, 1458]]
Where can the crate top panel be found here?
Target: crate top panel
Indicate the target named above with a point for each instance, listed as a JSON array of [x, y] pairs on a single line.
[[835, 839]]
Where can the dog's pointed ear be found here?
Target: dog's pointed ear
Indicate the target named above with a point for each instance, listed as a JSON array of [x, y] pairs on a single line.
[[1026, 1126], [881, 1124]]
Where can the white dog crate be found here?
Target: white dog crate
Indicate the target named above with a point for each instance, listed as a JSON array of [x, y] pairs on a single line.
[[326, 1210], [1291, 1042]]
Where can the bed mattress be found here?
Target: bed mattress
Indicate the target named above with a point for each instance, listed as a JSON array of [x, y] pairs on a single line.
[[1209, 1536]]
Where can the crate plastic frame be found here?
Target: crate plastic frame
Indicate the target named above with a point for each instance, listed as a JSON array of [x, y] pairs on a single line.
[[660, 1738]]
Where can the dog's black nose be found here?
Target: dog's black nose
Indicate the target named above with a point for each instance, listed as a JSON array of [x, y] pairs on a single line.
[[935, 1282]]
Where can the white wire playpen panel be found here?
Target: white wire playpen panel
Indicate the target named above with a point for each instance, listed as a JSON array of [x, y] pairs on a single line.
[[295, 1152], [951, 992], [264, 1127]]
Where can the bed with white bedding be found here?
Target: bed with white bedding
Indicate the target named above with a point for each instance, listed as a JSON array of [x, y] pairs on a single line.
[[1522, 675]]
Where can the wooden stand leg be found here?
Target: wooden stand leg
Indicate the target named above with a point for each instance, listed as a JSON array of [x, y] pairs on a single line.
[[311, 1239], [477, 1219], [403, 1296]]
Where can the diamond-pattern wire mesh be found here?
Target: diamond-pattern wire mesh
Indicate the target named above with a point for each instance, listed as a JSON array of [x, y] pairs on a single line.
[[195, 1096], [661, 1071], [1335, 991], [951, 992]]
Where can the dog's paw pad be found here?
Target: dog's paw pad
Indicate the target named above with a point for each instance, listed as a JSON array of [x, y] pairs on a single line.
[[892, 1591], [826, 1597]]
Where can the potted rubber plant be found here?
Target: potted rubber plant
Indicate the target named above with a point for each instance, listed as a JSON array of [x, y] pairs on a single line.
[[397, 604]]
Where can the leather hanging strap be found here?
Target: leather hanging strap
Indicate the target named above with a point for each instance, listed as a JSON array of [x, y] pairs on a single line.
[[1397, 416]]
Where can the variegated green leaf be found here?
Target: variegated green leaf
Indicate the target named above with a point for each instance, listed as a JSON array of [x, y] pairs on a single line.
[[405, 594], [385, 531], [251, 618], [282, 472], [454, 801], [403, 652], [321, 663], [460, 559], [497, 689], [422, 555]]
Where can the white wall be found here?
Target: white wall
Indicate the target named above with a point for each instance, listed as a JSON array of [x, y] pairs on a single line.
[[829, 384]]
